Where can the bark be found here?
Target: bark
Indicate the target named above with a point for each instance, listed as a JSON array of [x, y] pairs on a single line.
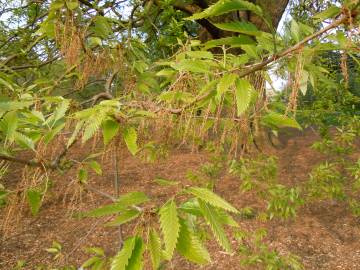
[[273, 9]]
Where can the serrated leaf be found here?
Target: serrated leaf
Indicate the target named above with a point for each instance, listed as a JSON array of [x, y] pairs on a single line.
[[6, 84], [132, 198], [200, 54], [109, 129], [191, 207], [303, 82], [211, 198], [124, 217], [239, 27], [14, 105], [214, 222], [328, 13], [155, 248], [136, 262], [124, 201], [190, 246], [231, 41], [167, 72], [34, 199], [295, 30], [91, 127], [59, 112], [9, 125], [225, 83], [169, 223], [225, 6], [121, 260], [130, 138], [24, 141], [38, 115], [72, 139], [106, 210], [243, 93], [196, 66], [226, 219], [49, 136], [276, 120]]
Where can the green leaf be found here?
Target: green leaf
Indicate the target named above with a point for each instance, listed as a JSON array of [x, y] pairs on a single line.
[[190, 246], [106, 210], [94, 42], [169, 223], [155, 248], [243, 93], [124, 201], [225, 6], [165, 182], [102, 27], [55, 5], [211, 198], [124, 217], [121, 260], [90, 262], [109, 129], [226, 218], [295, 30], [95, 166], [14, 105], [214, 221], [49, 136], [6, 84], [83, 176], [130, 137], [196, 66], [251, 51], [73, 137], [34, 199], [239, 27], [167, 72], [191, 207], [304, 81], [10, 124], [132, 198], [24, 141], [224, 84], [276, 120], [200, 54], [136, 262], [92, 126], [59, 113], [331, 12], [96, 250], [71, 4], [231, 41]]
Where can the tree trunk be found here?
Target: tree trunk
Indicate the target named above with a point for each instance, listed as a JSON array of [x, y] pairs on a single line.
[[273, 10]]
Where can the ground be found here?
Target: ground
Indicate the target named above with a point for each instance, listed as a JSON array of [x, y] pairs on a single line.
[[324, 235]]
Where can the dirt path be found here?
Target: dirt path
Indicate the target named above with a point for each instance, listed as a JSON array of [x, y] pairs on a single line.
[[324, 236]]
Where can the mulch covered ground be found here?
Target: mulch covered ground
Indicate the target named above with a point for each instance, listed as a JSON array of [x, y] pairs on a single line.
[[324, 235]]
